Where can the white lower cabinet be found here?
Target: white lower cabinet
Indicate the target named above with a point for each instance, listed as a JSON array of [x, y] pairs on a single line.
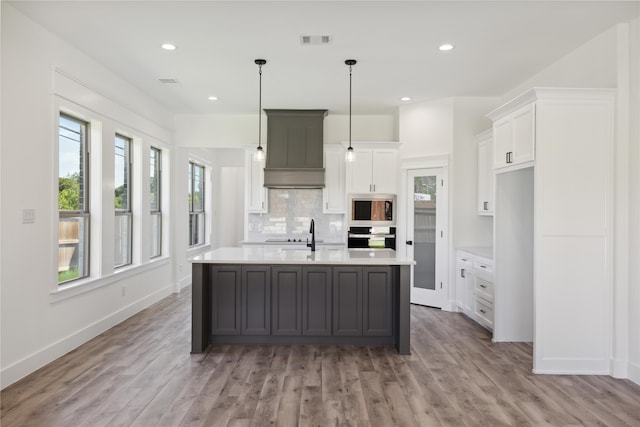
[[474, 287]]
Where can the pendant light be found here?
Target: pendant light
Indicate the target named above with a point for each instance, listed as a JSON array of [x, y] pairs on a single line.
[[350, 156], [259, 153]]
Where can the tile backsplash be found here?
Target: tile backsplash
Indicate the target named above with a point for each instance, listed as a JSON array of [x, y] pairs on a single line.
[[290, 213]]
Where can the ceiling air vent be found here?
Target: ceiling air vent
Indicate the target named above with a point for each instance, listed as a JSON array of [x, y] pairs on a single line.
[[168, 81], [308, 40]]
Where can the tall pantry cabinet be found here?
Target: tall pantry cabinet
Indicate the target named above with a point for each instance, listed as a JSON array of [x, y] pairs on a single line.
[[553, 226]]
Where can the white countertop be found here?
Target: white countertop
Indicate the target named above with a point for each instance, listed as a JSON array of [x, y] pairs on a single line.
[[483, 251], [285, 243], [270, 255]]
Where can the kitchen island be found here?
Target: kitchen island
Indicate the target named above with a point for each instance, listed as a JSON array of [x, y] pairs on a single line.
[[296, 296]]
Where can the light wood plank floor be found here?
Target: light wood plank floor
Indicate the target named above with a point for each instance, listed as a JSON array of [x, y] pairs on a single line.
[[140, 373]]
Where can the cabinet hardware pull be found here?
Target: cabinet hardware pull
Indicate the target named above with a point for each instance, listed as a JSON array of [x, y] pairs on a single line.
[[486, 206], [482, 311], [483, 266], [464, 259], [483, 286], [374, 188], [506, 157], [462, 273], [409, 242]]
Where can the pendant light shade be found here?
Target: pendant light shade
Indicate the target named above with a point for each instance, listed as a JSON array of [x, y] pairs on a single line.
[[350, 155], [259, 154]]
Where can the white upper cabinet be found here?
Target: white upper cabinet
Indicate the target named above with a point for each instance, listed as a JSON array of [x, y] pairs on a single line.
[[485, 173], [514, 137], [256, 193], [333, 194], [375, 170]]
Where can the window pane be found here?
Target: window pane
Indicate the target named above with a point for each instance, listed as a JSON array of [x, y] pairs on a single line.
[[122, 247], [156, 235], [198, 188], [154, 179], [71, 165], [73, 248], [121, 176]]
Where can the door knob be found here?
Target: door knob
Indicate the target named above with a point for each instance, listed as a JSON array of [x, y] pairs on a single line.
[[409, 242]]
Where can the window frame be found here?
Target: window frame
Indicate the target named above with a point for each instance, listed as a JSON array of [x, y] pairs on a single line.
[[157, 212], [84, 212], [128, 211], [196, 216]]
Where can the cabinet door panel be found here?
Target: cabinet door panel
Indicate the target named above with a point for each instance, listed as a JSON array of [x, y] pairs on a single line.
[[256, 300], [225, 300], [347, 301], [377, 302], [502, 141], [360, 172], [256, 193], [385, 171], [316, 301], [286, 285], [333, 194], [522, 122]]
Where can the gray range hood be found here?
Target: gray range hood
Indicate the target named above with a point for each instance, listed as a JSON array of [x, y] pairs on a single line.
[[294, 149]]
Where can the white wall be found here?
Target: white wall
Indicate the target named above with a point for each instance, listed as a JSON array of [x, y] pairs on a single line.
[[634, 202], [591, 65], [39, 324], [227, 131]]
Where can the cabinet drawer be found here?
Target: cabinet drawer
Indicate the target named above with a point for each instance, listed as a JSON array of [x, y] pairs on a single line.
[[483, 268], [464, 260], [483, 312], [484, 289]]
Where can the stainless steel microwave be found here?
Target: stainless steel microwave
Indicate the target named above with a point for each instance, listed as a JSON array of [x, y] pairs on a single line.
[[372, 210]]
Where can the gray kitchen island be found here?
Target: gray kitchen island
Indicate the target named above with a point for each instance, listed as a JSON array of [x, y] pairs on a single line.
[[295, 296]]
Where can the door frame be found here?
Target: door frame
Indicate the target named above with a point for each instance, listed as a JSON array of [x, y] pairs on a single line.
[[448, 275]]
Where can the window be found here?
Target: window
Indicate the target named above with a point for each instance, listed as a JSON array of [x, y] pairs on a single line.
[[155, 182], [196, 204], [73, 199], [122, 201]]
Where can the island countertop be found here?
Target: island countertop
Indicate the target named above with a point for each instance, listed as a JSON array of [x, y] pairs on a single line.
[[298, 256]]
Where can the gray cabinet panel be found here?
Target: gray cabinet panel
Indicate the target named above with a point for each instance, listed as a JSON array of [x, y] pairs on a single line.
[[256, 300], [347, 301], [286, 289], [377, 302], [316, 301], [225, 300]]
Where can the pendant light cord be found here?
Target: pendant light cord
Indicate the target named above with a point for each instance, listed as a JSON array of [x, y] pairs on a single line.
[[349, 105], [260, 107]]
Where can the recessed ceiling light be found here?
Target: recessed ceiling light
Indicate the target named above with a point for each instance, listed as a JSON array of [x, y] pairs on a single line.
[[446, 47], [169, 46], [212, 98], [405, 98]]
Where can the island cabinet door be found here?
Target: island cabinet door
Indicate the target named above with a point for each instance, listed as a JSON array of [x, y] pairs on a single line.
[[347, 301], [377, 306], [225, 300], [256, 300], [286, 304], [316, 301]]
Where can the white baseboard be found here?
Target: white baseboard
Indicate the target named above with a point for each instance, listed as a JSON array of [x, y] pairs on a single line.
[[37, 360], [619, 368], [184, 282], [634, 372]]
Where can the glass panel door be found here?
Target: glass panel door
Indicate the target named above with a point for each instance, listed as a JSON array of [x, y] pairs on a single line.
[[427, 235], [424, 231]]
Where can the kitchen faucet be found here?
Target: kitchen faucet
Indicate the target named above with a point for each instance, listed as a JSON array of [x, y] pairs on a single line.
[[312, 230]]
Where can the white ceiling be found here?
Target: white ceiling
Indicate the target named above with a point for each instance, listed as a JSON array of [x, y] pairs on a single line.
[[498, 45]]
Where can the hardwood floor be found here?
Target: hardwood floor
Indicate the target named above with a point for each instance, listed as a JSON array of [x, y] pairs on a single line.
[[140, 373]]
